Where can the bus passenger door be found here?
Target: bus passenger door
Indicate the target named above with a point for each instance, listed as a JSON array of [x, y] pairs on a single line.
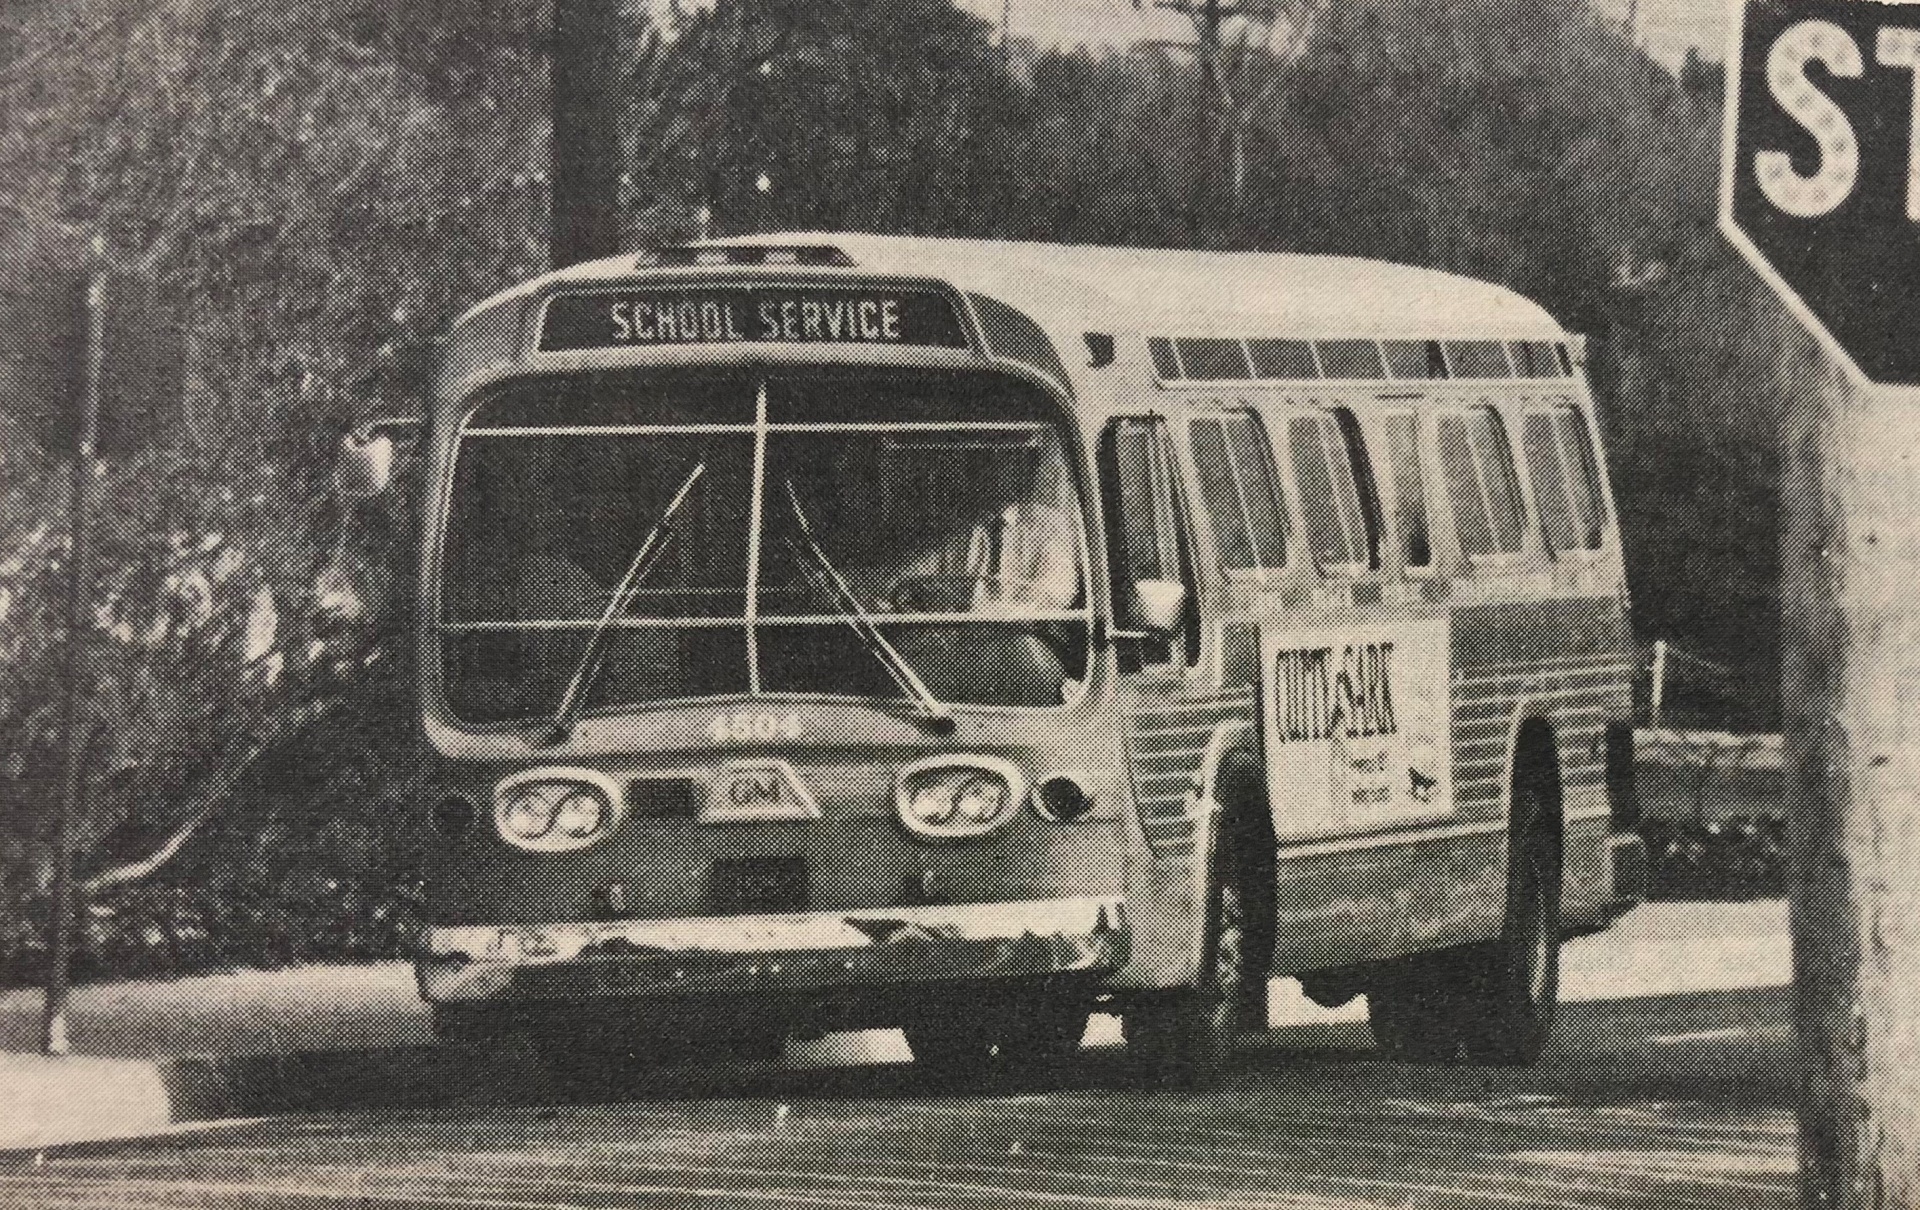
[[1170, 713]]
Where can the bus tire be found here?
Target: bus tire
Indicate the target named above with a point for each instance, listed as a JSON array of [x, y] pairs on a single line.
[[1185, 1039], [1492, 1003]]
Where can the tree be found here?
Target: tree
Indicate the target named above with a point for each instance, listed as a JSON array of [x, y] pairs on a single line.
[[328, 194], [631, 95], [1243, 48], [880, 115]]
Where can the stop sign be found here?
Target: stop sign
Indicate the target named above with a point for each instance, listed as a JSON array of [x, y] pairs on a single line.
[[1820, 183]]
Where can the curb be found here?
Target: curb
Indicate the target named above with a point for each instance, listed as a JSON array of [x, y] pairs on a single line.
[[48, 1101]]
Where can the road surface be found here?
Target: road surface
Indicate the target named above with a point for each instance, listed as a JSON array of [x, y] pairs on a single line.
[[1668, 1087]]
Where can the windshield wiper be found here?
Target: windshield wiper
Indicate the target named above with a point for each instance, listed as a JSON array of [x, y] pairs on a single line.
[[827, 578], [644, 561]]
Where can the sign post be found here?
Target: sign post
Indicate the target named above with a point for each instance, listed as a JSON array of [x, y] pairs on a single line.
[[1820, 190], [53, 1033]]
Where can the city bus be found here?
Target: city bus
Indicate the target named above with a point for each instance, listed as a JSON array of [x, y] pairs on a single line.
[[835, 631]]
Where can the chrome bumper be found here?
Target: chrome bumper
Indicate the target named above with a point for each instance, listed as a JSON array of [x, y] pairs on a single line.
[[802, 952]]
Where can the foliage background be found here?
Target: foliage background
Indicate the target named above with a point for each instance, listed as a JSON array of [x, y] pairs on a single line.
[[321, 190]]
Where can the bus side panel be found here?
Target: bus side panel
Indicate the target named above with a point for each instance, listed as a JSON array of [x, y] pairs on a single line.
[[1169, 734], [1346, 905], [1568, 661]]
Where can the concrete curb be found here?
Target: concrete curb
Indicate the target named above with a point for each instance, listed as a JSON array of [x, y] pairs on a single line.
[[48, 1101]]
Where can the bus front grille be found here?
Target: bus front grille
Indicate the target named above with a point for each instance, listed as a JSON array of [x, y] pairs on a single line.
[[663, 798]]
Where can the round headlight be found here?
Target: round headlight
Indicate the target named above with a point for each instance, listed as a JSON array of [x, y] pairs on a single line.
[[552, 810], [528, 813], [580, 814], [946, 799], [981, 798], [929, 801]]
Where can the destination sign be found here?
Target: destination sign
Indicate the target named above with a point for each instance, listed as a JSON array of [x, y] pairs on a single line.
[[756, 315]]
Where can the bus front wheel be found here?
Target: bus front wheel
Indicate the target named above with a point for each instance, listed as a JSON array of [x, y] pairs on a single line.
[[1490, 1003], [1185, 1039]]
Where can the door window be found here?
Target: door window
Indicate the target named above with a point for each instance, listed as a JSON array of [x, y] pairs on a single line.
[[1147, 532]]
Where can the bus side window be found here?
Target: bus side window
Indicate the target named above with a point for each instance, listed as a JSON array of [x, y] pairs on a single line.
[[1409, 489], [1147, 534], [1240, 488], [1337, 498], [1481, 482], [1549, 475], [1566, 479]]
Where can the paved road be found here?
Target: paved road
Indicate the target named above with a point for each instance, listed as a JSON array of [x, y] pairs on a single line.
[[1656, 1095]]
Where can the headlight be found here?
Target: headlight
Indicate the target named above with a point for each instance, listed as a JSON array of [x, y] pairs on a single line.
[[954, 799], [528, 813], [551, 810], [580, 814]]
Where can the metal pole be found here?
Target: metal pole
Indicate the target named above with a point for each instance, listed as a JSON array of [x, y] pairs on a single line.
[[53, 1034], [1659, 682]]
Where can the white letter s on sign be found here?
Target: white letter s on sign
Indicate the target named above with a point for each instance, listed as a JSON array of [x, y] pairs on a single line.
[[1839, 169]]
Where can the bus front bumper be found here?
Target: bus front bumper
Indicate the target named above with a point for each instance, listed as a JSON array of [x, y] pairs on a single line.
[[794, 952]]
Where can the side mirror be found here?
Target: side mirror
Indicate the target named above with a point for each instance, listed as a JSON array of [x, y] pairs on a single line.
[[1158, 604], [365, 466]]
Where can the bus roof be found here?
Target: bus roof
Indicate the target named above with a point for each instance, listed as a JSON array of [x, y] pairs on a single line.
[[1163, 291]]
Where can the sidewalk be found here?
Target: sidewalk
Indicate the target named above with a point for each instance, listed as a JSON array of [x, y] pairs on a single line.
[[149, 1055]]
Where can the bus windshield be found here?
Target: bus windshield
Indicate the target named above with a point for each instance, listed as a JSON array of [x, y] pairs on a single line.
[[945, 505]]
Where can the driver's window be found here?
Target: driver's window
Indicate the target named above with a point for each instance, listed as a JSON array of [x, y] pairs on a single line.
[[980, 521], [1147, 532]]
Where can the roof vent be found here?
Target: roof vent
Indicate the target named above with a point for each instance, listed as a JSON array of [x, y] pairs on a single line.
[[688, 256]]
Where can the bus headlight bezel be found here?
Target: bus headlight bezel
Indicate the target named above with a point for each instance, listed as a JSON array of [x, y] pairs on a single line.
[[958, 798], [556, 810]]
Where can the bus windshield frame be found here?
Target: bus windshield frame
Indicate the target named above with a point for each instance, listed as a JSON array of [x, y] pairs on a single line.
[[954, 503]]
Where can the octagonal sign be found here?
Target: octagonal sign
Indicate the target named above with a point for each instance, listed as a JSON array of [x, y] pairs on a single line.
[[1820, 172]]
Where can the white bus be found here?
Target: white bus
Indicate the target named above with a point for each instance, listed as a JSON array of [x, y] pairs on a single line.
[[831, 631]]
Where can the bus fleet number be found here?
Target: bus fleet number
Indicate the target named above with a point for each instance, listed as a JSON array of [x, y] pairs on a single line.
[[754, 727]]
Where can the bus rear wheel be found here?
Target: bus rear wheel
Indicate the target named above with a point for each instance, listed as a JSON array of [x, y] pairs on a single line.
[[1492, 1003]]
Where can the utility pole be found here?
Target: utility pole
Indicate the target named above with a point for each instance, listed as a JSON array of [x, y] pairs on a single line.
[[1834, 235], [53, 1032], [1850, 483], [1209, 18], [588, 151]]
